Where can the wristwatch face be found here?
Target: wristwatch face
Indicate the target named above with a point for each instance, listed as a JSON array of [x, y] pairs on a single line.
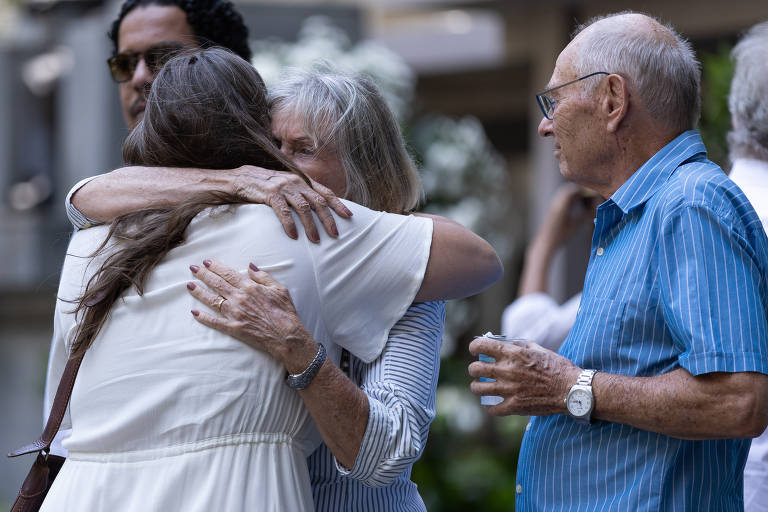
[[579, 402]]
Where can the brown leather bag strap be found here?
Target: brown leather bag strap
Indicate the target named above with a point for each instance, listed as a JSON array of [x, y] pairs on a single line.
[[58, 410]]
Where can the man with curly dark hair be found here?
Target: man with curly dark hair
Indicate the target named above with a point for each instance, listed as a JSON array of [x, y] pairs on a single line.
[[146, 32]]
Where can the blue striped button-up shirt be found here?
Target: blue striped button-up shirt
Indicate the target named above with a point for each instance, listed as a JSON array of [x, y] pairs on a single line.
[[676, 279], [400, 386]]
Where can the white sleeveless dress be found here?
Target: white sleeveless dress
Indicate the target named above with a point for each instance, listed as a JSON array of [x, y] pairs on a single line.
[[167, 414]]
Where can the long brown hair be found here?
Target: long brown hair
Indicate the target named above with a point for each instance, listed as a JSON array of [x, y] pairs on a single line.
[[207, 108]]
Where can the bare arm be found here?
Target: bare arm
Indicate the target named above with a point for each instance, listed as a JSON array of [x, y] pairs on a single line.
[[568, 211], [460, 263], [134, 188], [535, 381], [678, 404]]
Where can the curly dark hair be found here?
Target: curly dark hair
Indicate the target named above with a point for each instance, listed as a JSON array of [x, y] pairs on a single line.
[[215, 23]]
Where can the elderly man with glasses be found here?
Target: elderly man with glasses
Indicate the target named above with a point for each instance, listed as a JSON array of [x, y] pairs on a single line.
[[653, 397]]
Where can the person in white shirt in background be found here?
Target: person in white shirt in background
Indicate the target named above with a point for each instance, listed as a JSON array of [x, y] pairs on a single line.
[[748, 145]]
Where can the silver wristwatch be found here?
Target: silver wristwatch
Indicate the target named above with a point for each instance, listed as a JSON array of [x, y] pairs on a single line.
[[580, 401]]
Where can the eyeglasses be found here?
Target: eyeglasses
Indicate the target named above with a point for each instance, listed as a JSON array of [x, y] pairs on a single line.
[[123, 65], [547, 104]]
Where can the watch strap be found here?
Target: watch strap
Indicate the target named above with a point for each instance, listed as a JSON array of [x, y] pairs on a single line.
[[303, 379], [585, 377]]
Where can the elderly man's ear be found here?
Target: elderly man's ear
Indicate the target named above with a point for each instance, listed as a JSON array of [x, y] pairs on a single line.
[[615, 101]]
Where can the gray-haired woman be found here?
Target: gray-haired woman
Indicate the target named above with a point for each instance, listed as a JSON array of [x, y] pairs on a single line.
[[337, 129]]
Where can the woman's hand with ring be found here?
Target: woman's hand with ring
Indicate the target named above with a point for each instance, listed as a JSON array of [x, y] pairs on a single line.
[[254, 309], [218, 302]]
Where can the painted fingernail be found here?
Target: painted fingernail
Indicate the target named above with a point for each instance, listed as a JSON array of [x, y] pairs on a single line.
[[294, 234], [207, 263], [194, 312], [349, 212], [194, 268], [334, 231], [253, 267], [191, 286]]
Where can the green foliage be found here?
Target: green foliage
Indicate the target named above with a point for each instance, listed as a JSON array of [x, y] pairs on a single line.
[[717, 70], [471, 472], [471, 458]]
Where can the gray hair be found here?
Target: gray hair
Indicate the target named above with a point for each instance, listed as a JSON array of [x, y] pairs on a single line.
[[748, 100], [349, 113], [659, 65]]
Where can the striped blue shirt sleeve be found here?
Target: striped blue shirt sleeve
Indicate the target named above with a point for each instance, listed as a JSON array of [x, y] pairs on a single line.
[[710, 285], [75, 216], [400, 386]]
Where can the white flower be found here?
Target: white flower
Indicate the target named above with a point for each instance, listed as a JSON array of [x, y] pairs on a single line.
[[320, 42]]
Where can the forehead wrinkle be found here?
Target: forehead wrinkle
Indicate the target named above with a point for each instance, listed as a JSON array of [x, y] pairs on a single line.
[[154, 22]]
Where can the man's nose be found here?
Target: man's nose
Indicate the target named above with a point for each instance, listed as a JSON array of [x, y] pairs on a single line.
[[545, 127], [141, 75]]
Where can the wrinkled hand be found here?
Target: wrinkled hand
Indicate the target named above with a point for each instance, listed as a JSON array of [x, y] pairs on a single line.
[[255, 309], [283, 192], [532, 380]]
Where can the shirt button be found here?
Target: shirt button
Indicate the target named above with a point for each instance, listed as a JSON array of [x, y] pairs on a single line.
[[600, 251], [519, 489]]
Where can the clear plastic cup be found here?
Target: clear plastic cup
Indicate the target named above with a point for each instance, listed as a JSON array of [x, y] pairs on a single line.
[[491, 399]]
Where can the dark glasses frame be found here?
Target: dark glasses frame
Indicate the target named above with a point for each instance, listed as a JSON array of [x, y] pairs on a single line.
[[547, 104], [122, 66]]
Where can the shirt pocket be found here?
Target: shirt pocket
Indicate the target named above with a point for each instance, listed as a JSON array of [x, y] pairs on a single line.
[[595, 336], [644, 345]]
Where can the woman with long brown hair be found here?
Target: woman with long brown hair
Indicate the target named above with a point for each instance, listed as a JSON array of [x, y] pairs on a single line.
[[167, 414]]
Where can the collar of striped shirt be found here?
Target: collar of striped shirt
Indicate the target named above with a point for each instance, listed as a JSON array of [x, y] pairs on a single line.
[[647, 180]]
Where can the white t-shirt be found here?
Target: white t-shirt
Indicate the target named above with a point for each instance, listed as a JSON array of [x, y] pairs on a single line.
[[163, 401]]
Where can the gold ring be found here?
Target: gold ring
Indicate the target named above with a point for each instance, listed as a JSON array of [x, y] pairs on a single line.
[[219, 301]]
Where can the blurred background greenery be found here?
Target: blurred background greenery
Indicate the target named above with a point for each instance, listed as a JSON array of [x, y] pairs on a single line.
[[716, 73]]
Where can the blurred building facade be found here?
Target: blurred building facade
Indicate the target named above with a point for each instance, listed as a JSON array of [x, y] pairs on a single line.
[[60, 121]]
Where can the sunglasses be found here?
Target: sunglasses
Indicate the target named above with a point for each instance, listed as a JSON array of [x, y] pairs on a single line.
[[123, 65]]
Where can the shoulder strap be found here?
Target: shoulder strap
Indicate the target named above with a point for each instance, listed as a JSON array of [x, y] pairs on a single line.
[[60, 403]]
